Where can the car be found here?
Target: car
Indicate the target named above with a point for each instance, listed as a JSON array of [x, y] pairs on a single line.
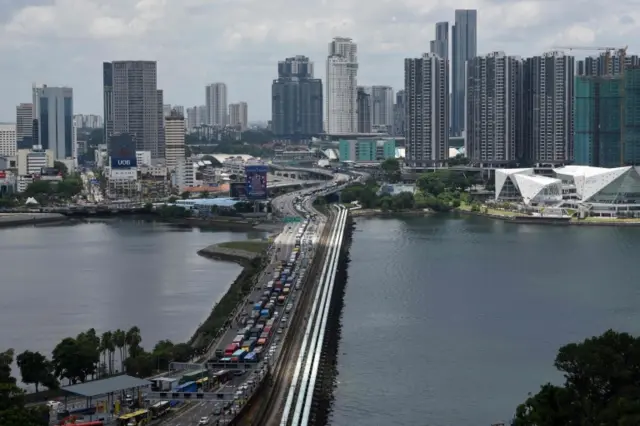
[[203, 421], [217, 410]]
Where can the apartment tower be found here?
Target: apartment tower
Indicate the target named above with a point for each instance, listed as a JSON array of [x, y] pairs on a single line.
[[238, 116], [427, 106], [548, 99], [493, 109], [174, 139], [342, 86], [217, 106]]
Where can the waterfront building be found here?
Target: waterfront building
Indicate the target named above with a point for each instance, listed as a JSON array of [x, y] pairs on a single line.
[[8, 141], [342, 86], [32, 161], [217, 106], [296, 100], [184, 176], [593, 191], [427, 106], [493, 109], [53, 120], [238, 116], [523, 185], [464, 47], [133, 104], [606, 119], [366, 150]]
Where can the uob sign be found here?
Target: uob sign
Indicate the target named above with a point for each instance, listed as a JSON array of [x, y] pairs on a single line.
[[122, 163]]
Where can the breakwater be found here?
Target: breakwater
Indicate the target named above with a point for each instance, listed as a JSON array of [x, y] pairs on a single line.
[[26, 219], [328, 372]]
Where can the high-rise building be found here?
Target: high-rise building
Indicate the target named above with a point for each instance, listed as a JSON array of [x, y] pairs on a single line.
[[179, 109], [238, 115], [399, 114], [382, 107], [463, 48], [88, 121], [342, 83], [548, 99], [131, 103], [606, 119], [24, 122], [174, 139], [493, 108], [53, 120], [166, 110], [296, 100], [364, 111], [601, 66], [192, 119], [8, 142], [217, 106], [427, 136], [440, 46], [161, 146]]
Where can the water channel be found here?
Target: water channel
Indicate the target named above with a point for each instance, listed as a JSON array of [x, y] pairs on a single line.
[[453, 320], [60, 280]]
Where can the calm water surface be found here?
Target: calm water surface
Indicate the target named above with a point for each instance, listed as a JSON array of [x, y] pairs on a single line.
[[452, 321], [59, 281]]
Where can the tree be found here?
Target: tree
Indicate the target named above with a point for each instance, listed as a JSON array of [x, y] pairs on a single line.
[[39, 187], [119, 340], [602, 385], [391, 169], [12, 404], [61, 168], [204, 194], [185, 195], [69, 187], [108, 348], [133, 340], [36, 369]]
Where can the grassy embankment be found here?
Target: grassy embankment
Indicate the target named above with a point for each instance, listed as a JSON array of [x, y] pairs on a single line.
[[487, 210], [252, 256]]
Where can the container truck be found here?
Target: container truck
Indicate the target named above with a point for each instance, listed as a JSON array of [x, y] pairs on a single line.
[[286, 290], [281, 300], [257, 306], [238, 355], [251, 357], [230, 349], [262, 342], [265, 313], [238, 339]]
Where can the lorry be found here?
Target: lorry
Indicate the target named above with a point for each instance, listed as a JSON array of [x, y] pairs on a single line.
[[281, 300], [238, 355], [230, 349]]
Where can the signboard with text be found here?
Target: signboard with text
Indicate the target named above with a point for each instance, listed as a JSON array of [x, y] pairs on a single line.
[[123, 163], [256, 181]]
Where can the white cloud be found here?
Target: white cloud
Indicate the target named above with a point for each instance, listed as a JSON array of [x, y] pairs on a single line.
[[240, 41]]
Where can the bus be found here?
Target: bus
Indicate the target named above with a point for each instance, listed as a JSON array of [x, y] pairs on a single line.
[[221, 377], [160, 409], [136, 418]]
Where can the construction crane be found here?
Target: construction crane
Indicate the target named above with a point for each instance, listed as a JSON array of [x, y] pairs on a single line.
[[621, 53]]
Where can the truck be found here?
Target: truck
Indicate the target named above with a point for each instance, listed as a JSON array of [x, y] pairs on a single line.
[[230, 349], [281, 300], [249, 345], [262, 342], [187, 387], [238, 355], [251, 357], [257, 306], [194, 376], [265, 313], [286, 290]]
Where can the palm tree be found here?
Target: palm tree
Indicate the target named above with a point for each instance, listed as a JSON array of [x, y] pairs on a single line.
[[133, 340], [119, 341], [107, 348]]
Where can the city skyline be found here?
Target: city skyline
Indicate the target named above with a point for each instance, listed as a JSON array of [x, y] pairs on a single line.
[[253, 40]]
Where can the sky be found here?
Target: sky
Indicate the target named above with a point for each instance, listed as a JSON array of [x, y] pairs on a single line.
[[239, 42]]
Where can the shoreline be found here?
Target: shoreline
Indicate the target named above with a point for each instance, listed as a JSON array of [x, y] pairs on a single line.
[[10, 220], [226, 306], [515, 219]]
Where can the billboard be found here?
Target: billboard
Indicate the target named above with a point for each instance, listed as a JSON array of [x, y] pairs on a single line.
[[256, 182], [123, 163], [237, 190], [3, 174]]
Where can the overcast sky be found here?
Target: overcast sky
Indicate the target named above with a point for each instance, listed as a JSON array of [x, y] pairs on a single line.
[[64, 42]]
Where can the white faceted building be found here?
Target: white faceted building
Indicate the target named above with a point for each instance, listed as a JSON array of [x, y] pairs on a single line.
[[523, 185], [604, 192]]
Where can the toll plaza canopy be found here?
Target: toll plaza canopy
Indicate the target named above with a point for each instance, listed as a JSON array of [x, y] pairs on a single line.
[[106, 386]]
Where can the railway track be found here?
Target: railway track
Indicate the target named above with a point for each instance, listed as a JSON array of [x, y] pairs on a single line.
[[271, 412]]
